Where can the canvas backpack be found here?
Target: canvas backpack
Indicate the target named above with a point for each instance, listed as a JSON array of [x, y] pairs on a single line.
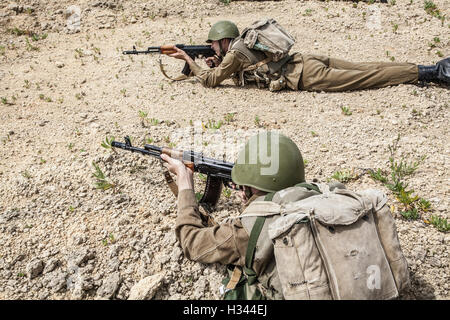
[[337, 244], [266, 44], [269, 37]]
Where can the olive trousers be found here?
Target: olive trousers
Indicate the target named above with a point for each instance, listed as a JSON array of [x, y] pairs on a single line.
[[321, 73]]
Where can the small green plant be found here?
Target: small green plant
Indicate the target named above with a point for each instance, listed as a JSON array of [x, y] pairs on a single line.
[[30, 47], [395, 28], [101, 181], [424, 204], [346, 111], [198, 196], [107, 143], [227, 192], [308, 13], [343, 176], [37, 37], [142, 114], [229, 117], [314, 134], [26, 174], [440, 223], [123, 92], [154, 121], [79, 53], [18, 32], [410, 214], [433, 10], [378, 176], [394, 181], [112, 239], [202, 176], [212, 124], [257, 121]]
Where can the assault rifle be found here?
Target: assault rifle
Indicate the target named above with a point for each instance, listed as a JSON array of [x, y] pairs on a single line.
[[218, 172], [204, 51]]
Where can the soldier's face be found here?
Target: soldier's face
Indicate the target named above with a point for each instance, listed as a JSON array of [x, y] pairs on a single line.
[[216, 47]]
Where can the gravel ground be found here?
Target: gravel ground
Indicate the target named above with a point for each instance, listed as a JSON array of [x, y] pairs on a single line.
[[66, 89]]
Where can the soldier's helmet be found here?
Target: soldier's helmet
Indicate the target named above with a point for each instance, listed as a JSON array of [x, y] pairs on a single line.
[[221, 30], [270, 162]]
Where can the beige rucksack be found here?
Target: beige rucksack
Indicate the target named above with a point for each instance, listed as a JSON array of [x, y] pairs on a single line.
[[269, 37], [338, 244], [266, 45]]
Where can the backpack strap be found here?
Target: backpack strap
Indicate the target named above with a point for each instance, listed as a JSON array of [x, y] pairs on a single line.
[[254, 235], [308, 186]]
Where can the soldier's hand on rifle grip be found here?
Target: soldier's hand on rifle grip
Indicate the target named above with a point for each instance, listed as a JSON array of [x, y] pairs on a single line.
[[212, 62], [184, 174], [179, 54]]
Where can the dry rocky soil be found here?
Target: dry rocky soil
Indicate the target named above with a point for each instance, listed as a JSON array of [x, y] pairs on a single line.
[[66, 88]]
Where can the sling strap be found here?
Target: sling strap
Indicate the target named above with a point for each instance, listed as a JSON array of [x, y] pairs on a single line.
[[179, 78], [256, 231], [251, 248], [308, 186]]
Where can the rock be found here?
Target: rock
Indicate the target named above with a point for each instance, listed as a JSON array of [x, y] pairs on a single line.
[[176, 254], [146, 288], [199, 289], [76, 259], [109, 286], [15, 7], [164, 258], [113, 264], [56, 281], [419, 254], [51, 265], [59, 64], [34, 268], [435, 262], [28, 9]]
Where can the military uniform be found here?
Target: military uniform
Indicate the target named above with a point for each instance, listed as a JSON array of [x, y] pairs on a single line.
[[311, 72], [227, 243]]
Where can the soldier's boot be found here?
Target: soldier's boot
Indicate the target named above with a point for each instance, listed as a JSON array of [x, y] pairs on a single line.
[[439, 73]]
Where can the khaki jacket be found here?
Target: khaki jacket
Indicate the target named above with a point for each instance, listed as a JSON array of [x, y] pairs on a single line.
[[225, 243], [234, 62]]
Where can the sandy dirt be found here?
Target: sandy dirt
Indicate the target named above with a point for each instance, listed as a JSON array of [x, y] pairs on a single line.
[[64, 92]]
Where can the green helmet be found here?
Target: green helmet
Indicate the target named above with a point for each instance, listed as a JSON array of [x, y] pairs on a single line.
[[221, 30], [269, 162]]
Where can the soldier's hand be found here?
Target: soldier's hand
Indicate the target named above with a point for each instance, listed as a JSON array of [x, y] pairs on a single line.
[[174, 166], [184, 174], [179, 54], [212, 62]]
